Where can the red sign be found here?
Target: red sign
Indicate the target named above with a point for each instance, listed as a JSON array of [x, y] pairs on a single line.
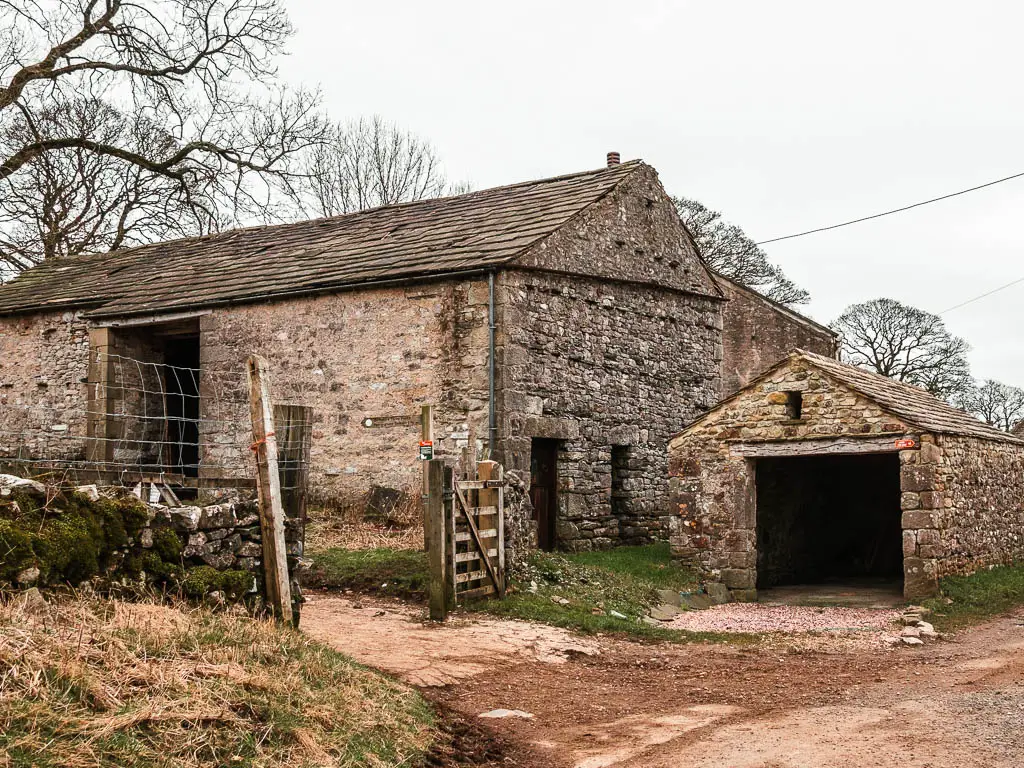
[[907, 442], [426, 450]]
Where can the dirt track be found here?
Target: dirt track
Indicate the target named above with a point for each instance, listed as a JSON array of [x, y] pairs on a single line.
[[784, 702]]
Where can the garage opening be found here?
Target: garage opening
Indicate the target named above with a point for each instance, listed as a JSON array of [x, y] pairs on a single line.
[[829, 519]]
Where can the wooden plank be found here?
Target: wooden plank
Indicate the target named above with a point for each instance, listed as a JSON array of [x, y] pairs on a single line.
[[461, 578], [471, 485], [275, 559], [482, 511], [465, 557], [426, 433], [476, 537], [449, 538], [501, 531], [485, 533], [489, 499], [819, 447], [434, 521], [485, 591]]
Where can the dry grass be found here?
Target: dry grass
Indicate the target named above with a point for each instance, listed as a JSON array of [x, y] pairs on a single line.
[[87, 683], [345, 526]]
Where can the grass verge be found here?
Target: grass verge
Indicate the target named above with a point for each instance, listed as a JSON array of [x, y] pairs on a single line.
[[382, 571], [585, 591], [95, 683], [965, 600], [581, 591]]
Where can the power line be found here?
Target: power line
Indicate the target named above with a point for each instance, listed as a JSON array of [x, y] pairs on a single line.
[[983, 295], [895, 210]]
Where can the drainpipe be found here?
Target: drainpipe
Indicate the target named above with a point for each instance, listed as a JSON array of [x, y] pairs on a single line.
[[492, 415]]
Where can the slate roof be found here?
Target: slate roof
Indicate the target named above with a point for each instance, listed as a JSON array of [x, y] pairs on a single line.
[[912, 404], [468, 232]]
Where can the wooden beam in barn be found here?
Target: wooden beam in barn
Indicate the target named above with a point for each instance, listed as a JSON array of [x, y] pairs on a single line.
[[824, 447]]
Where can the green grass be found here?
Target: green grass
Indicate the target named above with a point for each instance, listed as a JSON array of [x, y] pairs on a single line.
[[966, 600], [393, 572], [624, 580]]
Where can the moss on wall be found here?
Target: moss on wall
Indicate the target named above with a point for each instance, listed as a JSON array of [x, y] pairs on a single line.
[[71, 539]]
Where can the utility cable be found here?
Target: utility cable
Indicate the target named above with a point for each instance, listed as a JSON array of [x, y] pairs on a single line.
[[894, 210]]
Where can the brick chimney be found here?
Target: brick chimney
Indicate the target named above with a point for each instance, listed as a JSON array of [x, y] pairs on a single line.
[[614, 159]]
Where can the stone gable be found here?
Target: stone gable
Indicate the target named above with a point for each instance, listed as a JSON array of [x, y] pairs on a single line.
[[633, 233], [761, 411]]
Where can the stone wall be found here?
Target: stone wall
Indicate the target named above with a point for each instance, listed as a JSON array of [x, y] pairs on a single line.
[[376, 355], [711, 503], [597, 364], [49, 535], [977, 505], [633, 234], [44, 361], [758, 332]]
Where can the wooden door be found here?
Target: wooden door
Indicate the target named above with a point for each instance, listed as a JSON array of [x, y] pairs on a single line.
[[543, 486]]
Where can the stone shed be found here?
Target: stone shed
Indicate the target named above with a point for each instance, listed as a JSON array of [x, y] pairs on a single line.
[[566, 327], [819, 472]]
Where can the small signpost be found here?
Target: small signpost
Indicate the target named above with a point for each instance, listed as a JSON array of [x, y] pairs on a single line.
[[905, 443], [426, 450]]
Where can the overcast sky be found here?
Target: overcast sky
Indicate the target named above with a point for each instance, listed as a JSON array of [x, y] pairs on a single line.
[[783, 115]]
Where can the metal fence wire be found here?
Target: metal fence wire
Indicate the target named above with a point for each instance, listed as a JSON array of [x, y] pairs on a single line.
[[184, 425]]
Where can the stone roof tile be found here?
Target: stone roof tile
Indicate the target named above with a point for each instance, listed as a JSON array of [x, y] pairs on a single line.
[[440, 236], [910, 403]]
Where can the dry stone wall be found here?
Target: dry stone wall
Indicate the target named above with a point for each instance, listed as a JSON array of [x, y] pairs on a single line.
[[365, 356], [597, 364], [977, 505], [758, 333], [44, 361]]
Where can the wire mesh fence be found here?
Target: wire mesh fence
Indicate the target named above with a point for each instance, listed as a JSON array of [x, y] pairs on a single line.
[[137, 419]]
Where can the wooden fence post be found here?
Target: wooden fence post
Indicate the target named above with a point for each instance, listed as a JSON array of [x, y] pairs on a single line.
[[449, 537], [426, 435], [436, 554], [268, 481]]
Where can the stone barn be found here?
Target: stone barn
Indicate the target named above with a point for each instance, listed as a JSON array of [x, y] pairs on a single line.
[[820, 472], [566, 327]]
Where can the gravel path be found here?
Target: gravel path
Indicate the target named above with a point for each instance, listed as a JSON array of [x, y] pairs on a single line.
[[752, 617]]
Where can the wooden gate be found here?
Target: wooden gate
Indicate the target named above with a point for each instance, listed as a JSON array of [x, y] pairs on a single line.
[[465, 522], [478, 521]]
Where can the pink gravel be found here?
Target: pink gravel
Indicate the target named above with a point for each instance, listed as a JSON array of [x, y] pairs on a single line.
[[752, 617]]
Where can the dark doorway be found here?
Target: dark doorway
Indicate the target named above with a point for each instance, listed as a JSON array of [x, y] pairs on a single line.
[[181, 380], [828, 518], [543, 489]]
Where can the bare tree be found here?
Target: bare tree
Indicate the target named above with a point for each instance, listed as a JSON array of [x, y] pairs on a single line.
[[73, 201], [906, 344], [995, 403], [729, 251], [209, 123], [368, 163]]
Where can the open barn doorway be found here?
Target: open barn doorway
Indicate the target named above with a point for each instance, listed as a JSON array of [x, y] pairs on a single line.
[[832, 521]]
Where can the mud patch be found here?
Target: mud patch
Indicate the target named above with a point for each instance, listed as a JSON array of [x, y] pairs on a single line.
[[394, 637]]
